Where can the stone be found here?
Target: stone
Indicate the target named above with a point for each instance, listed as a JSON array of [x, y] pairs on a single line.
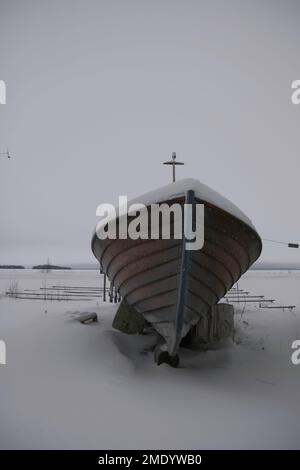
[[87, 318], [216, 325], [129, 320]]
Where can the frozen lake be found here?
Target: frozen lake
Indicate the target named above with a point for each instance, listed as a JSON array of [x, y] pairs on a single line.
[[68, 385]]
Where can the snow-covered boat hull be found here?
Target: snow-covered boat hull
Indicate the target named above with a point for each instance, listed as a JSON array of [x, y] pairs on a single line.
[[163, 280]]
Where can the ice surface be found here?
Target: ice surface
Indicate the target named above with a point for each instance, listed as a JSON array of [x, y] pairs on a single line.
[[68, 385]]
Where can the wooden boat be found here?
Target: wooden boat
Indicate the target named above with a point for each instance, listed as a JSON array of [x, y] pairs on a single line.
[[173, 287]]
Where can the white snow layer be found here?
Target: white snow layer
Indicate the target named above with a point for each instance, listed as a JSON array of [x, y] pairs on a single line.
[[180, 187], [203, 192]]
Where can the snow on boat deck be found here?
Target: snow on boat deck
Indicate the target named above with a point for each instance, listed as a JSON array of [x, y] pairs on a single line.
[[202, 192], [67, 385]]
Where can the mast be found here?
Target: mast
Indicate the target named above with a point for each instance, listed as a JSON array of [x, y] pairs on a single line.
[[173, 162]]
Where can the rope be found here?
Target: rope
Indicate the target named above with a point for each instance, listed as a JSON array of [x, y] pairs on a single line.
[[289, 244]]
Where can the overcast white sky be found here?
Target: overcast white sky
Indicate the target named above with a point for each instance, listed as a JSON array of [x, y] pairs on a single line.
[[99, 93]]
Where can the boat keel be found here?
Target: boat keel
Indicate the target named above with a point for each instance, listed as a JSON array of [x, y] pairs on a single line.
[[162, 356]]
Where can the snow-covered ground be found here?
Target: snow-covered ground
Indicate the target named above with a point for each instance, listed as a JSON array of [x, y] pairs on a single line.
[[68, 385]]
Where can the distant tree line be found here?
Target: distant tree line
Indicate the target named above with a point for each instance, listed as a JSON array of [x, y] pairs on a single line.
[[11, 266], [44, 267], [49, 267]]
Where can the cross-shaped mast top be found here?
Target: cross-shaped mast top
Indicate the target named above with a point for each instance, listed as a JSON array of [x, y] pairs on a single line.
[[173, 163]]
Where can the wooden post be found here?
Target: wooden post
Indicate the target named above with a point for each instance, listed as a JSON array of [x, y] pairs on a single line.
[[189, 199], [104, 287], [111, 293]]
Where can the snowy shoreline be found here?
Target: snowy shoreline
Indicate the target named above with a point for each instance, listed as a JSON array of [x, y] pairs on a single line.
[[68, 385]]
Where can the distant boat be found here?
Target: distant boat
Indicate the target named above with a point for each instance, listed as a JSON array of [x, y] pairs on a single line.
[[173, 287]]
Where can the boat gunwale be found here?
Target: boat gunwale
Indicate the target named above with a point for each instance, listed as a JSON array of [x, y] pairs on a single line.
[[199, 201]]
